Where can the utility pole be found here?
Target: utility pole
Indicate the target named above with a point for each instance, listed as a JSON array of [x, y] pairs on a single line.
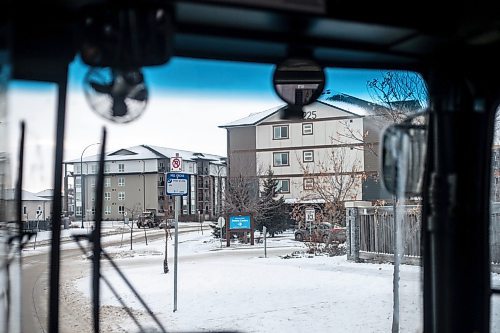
[[82, 181]]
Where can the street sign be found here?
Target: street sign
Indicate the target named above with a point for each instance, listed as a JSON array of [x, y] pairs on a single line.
[[177, 183], [310, 214], [176, 164], [239, 222], [222, 222]]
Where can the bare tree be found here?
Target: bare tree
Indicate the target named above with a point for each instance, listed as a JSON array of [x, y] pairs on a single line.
[[394, 97], [242, 194], [398, 94], [298, 213], [134, 210], [334, 180]]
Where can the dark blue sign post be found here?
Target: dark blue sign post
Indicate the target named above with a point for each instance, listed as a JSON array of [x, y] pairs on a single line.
[[239, 222]]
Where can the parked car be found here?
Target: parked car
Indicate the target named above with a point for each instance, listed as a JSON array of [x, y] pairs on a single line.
[[322, 232], [148, 218]]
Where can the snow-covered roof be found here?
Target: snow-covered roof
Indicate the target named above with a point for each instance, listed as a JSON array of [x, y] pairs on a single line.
[[10, 194], [132, 153], [352, 104], [362, 107], [253, 118], [148, 152], [187, 155], [352, 108], [343, 107], [48, 193]]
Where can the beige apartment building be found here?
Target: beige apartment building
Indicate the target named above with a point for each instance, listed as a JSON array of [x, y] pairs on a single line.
[[299, 150], [134, 180]]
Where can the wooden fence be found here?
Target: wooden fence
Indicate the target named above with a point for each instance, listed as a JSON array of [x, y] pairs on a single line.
[[370, 233], [377, 230]]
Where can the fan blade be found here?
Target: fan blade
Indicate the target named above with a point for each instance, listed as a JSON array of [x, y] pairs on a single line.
[[101, 88], [139, 93], [119, 107]]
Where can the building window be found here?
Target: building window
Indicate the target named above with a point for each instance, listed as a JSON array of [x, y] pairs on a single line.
[[107, 210], [307, 129], [121, 209], [93, 168], [92, 182], [308, 183], [121, 181], [280, 132], [107, 182], [121, 167], [121, 196], [78, 169], [107, 167], [79, 210], [107, 195], [78, 181], [308, 156], [24, 210], [280, 159], [283, 185]]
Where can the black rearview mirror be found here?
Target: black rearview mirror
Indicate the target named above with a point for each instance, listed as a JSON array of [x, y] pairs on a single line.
[[403, 157], [299, 82]]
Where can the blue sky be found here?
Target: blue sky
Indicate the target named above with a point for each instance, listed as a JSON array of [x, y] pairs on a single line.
[[223, 78], [188, 100], [181, 75]]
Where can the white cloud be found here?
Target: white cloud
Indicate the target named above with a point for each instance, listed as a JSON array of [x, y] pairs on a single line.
[[182, 121]]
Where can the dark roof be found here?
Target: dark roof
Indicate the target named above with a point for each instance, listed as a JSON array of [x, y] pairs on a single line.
[[341, 97], [336, 33]]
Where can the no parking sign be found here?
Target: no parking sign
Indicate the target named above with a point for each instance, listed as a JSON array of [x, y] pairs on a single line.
[[176, 164]]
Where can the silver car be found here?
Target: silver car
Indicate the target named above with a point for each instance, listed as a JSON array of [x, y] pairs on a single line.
[[322, 232]]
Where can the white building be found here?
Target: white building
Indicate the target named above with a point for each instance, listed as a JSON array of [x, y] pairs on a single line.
[[299, 150], [33, 207]]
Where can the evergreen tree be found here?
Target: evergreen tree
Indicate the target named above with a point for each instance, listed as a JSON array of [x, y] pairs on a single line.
[[273, 214], [216, 230]]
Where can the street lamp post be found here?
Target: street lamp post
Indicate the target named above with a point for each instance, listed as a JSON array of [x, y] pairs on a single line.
[[82, 193]]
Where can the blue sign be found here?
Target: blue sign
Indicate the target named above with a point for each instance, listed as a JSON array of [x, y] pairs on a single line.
[[239, 222], [177, 183]]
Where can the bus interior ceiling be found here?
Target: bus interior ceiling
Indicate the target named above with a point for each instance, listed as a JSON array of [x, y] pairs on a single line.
[[455, 47]]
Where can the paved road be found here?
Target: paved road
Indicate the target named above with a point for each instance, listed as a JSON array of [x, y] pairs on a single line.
[[35, 284]]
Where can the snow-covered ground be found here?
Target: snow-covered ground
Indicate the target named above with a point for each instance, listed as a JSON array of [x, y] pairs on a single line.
[[237, 288]]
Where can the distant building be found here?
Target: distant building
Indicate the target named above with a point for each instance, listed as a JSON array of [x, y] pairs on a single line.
[[263, 140], [33, 207], [135, 181]]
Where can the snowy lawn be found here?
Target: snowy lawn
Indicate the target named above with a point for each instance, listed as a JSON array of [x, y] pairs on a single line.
[[112, 231], [237, 288]]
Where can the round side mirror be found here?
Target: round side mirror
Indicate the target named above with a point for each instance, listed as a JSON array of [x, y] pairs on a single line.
[[299, 82]]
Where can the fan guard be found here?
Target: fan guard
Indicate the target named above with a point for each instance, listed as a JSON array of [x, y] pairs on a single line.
[[117, 95]]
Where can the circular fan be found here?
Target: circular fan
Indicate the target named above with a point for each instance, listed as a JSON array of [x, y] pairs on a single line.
[[118, 95]]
